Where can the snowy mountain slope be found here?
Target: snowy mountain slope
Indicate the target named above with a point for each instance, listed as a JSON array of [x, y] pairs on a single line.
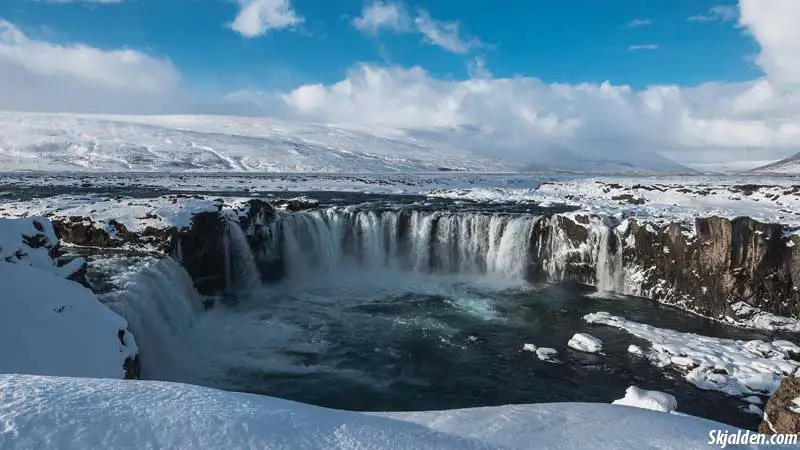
[[87, 143], [66, 142], [72, 413], [790, 165]]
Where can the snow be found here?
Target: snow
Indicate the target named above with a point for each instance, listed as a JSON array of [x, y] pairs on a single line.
[[546, 354], [67, 142], [657, 200], [70, 413], [730, 366], [136, 214], [528, 348], [795, 407], [752, 399], [747, 316], [30, 242], [585, 343], [790, 165], [635, 350], [654, 400], [52, 326], [753, 409]]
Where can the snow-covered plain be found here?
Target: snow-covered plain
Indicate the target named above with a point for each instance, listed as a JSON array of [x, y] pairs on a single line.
[[71, 413]]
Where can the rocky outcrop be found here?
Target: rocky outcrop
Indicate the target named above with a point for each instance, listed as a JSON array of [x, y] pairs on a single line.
[[782, 413], [725, 262], [201, 251], [708, 269]]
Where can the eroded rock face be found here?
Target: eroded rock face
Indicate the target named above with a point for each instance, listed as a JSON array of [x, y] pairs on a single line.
[[726, 262], [782, 413], [201, 251]]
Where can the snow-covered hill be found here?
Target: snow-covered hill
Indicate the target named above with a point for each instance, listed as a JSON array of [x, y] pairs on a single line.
[[74, 413], [66, 142], [790, 165]]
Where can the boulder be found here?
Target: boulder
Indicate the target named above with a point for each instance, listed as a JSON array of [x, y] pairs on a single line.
[[782, 413]]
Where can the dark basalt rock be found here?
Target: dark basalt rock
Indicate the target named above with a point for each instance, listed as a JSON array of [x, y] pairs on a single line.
[[201, 251], [728, 261], [257, 225], [778, 417]]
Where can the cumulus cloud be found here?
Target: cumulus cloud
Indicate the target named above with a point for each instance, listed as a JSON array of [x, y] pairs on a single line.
[[37, 74], [383, 15], [258, 17], [532, 121], [775, 24]]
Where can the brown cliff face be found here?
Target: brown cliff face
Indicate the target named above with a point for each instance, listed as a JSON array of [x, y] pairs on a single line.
[[780, 416], [726, 262]]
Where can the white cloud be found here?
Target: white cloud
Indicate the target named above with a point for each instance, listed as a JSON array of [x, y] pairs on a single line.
[[383, 15], [643, 47], [393, 16], [716, 14], [775, 24], [444, 34], [639, 23], [257, 17], [41, 74], [532, 121]]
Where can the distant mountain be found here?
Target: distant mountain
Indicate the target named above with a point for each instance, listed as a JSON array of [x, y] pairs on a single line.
[[86, 143], [790, 165]]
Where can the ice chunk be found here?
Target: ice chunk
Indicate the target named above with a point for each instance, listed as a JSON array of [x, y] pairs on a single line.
[[528, 348], [585, 343], [655, 400], [635, 350], [546, 354]]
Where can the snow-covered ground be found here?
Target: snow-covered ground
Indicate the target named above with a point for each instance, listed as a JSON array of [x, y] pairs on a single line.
[[72, 413], [738, 368], [194, 143], [658, 199], [50, 325]]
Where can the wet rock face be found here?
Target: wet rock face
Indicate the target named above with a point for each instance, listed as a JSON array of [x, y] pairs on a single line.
[[201, 251], [782, 413], [257, 224], [728, 261]]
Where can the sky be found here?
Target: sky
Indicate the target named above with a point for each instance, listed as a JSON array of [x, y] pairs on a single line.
[[707, 83]]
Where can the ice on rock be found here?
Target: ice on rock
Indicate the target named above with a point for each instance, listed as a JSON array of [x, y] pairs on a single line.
[[635, 350], [654, 400], [795, 407], [528, 348], [753, 399], [546, 354], [585, 343], [731, 366], [753, 409]]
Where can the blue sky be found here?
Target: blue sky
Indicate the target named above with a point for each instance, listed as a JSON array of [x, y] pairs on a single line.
[[564, 41]]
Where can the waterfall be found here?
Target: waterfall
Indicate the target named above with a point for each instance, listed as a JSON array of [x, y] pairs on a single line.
[[158, 299], [324, 241], [608, 261], [241, 271]]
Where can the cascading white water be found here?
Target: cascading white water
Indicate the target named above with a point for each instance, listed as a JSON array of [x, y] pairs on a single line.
[[420, 241], [158, 299], [608, 264], [241, 271]]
